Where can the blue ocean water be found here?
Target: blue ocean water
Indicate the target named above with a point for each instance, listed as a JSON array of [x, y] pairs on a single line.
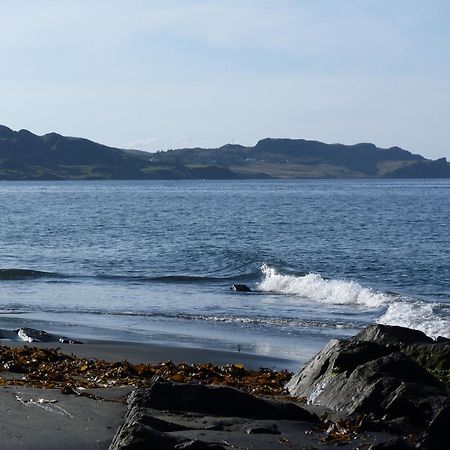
[[153, 260]]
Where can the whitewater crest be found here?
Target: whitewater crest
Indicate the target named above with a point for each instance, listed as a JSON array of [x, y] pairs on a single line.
[[432, 319], [420, 316], [312, 286]]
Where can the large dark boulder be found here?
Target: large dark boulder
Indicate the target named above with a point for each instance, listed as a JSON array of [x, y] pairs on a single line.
[[215, 400], [373, 374], [142, 430]]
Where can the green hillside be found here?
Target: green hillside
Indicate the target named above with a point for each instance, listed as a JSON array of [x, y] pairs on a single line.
[[26, 156]]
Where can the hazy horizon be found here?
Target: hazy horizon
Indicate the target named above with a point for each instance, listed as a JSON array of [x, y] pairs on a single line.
[[155, 75]]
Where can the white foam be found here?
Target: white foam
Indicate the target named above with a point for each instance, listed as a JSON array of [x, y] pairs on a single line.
[[401, 311], [314, 287], [420, 316]]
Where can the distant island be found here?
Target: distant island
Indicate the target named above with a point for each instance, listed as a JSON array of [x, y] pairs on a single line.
[[27, 156]]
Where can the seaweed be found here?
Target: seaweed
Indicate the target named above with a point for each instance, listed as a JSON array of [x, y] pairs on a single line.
[[49, 368]]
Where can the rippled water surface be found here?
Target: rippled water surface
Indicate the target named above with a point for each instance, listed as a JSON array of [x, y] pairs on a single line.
[[152, 261]]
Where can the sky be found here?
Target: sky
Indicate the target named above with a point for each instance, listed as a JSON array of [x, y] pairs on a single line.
[[166, 74]]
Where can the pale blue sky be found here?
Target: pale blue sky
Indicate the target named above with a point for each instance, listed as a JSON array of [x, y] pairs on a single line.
[[166, 74]]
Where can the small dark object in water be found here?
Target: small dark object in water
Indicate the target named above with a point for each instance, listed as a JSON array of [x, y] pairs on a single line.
[[240, 288]]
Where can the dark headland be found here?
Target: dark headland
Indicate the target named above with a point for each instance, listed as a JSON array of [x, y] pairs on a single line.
[[385, 388], [27, 156]]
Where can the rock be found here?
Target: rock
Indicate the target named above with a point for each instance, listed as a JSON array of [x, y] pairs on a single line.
[[215, 400], [336, 356], [371, 375], [141, 430], [439, 428], [240, 288], [388, 334], [32, 335], [431, 355], [137, 436], [144, 417]]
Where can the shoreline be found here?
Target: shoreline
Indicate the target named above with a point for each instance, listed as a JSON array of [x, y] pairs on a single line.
[[153, 353], [277, 350]]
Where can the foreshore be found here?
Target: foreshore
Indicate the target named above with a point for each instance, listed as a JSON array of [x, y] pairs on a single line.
[[385, 388]]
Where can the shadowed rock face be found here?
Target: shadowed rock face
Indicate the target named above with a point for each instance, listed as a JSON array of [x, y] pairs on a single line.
[[215, 400], [137, 436], [141, 430], [379, 373]]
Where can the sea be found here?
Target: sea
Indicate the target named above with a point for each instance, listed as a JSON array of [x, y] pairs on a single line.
[[153, 261]]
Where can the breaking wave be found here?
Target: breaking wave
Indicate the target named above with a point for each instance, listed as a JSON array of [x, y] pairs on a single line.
[[314, 287], [431, 318]]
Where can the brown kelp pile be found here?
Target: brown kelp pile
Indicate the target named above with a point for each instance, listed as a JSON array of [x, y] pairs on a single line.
[[49, 368]]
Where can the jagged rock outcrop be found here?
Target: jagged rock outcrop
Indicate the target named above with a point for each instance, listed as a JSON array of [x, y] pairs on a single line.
[[216, 400], [385, 373]]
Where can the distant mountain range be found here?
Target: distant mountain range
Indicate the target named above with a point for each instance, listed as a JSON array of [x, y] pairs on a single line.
[[26, 156]]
